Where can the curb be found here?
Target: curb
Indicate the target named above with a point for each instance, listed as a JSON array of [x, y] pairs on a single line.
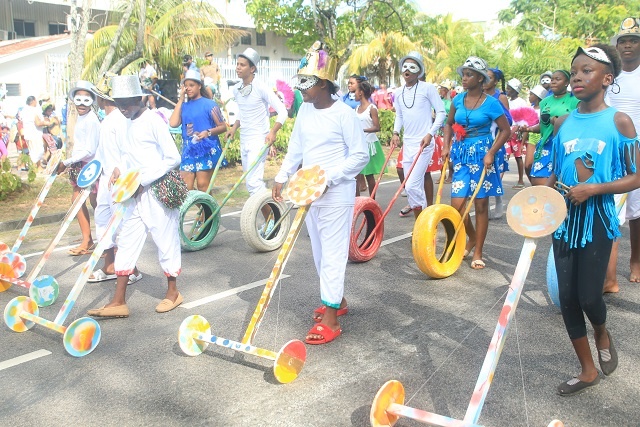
[[17, 224]]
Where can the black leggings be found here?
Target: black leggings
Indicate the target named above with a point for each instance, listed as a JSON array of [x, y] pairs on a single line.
[[581, 274]]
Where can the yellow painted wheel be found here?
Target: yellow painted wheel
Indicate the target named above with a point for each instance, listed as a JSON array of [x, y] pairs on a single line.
[[432, 233]]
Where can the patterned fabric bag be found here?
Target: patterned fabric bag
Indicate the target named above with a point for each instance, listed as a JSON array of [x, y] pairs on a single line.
[[170, 189], [74, 170]]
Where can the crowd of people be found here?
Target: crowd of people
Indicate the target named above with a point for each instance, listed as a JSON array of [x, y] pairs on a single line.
[[576, 130]]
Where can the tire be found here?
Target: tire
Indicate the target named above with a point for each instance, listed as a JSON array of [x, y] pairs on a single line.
[[251, 216], [368, 210], [196, 199], [552, 279], [425, 250]]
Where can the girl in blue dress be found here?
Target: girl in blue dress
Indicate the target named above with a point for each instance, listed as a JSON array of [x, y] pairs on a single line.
[[468, 139], [594, 156], [202, 122]]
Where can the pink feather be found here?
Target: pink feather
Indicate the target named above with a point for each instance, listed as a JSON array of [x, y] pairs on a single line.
[[524, 116], [322, 59], [287, 92]]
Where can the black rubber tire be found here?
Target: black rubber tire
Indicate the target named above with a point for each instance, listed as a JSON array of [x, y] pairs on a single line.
[[371, 212], [209, 205], [250, 212], [424, 241]]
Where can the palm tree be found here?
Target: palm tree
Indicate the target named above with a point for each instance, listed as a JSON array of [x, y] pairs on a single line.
[[379, 55], [173, 28]]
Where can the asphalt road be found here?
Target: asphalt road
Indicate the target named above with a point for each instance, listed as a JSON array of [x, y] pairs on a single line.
[[431, 335]]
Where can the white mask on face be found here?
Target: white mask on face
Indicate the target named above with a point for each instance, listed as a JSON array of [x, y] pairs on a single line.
[[411, 67]]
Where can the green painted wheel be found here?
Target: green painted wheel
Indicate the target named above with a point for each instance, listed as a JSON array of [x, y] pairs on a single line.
[[198, 207]]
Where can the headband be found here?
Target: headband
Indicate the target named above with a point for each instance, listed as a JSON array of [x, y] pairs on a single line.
[[565, 72]]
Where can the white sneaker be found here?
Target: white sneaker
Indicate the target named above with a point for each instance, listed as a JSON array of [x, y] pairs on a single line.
[[404, 193]]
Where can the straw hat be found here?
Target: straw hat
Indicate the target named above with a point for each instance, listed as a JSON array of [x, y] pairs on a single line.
[[317, 62]]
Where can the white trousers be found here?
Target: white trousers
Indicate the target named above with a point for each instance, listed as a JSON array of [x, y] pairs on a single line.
[[249, 150], [105, 208], [415, 184], [329, 229], [147, 215], [36, 148]]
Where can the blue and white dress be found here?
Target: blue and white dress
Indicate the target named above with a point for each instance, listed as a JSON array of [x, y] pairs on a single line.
[[196, 117], [468, 154], [594, 140]]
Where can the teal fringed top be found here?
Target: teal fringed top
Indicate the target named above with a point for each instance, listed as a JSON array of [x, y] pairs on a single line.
[[594, 140]]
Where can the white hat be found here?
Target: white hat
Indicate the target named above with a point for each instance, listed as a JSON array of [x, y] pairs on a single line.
[[515, 84], [192, 75], [416, 57], [539, 91], [251, 55], [476, 64], [125, 87], [82, 85]]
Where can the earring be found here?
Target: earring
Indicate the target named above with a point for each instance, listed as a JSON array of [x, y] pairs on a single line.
[[617, 86]]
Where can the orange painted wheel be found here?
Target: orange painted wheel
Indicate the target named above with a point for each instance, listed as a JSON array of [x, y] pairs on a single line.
[[366, 215]]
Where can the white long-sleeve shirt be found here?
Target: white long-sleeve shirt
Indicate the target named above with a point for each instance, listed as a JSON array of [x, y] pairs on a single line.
[[413, 112], [253, 110], [333, 139], [111, 141], [86, 135], [150, 147]]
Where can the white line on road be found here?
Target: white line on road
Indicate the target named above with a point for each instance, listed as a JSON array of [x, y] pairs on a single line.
[[228, 293], [24, 358]]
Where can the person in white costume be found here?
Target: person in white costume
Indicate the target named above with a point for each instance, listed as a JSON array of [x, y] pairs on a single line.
[[254, 99], [327, 133], [110, 154], [86, 135], [414, 102], [624, 95], [150, 149]]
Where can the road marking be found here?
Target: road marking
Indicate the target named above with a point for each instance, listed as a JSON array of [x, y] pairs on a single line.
[[395, 239], [228, 293], [23, 359]]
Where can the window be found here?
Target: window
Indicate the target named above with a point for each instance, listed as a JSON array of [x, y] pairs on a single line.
[[13, 89], [261, 39], [264, 58], [24, 29], [55, 28], [246, 40]]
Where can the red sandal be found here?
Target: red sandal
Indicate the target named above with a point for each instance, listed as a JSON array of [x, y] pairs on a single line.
[[323, 330]]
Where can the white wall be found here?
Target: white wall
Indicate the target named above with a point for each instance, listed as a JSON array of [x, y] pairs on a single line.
[[31, 72]]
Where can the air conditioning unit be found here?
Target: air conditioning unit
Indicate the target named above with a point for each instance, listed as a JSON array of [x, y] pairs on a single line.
[[4, 35]]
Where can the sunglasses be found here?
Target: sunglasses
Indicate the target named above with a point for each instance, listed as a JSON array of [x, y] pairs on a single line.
[[596, 53], [246, 90], [630, 23], [79, 100], [306, 82], [410, 67]]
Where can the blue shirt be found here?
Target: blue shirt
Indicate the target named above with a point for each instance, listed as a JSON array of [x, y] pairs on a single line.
[[478, 120], [196, 117], [594, 140]]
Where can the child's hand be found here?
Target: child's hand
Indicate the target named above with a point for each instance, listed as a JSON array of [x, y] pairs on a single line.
[[580, 193], [276, 192]]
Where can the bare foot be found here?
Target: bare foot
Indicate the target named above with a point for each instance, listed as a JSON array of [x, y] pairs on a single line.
[[317, 317], [634, 277]]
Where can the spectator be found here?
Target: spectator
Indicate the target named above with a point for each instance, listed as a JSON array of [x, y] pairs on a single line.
[[32, 122], [188, 64], [382, 98], [211, 75], [146, 75]]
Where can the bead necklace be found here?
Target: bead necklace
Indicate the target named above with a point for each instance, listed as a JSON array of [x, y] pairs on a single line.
[[414, 95]]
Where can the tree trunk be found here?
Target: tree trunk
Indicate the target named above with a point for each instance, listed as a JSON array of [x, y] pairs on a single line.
[[137, 53], [108, 58]]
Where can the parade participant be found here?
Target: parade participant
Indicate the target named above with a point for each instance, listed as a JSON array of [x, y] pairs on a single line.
[[496, 75], [623, 95], [545, 82], [33, 122], [202, 122], [368, 115], [514, 145], [413, 105], [595, 151], [86, 135], [472, 147], [326, 133], [349, 98], [551, 107], [254, 99], [444, 90], [150, 149], [110, 153], [536, 95]]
